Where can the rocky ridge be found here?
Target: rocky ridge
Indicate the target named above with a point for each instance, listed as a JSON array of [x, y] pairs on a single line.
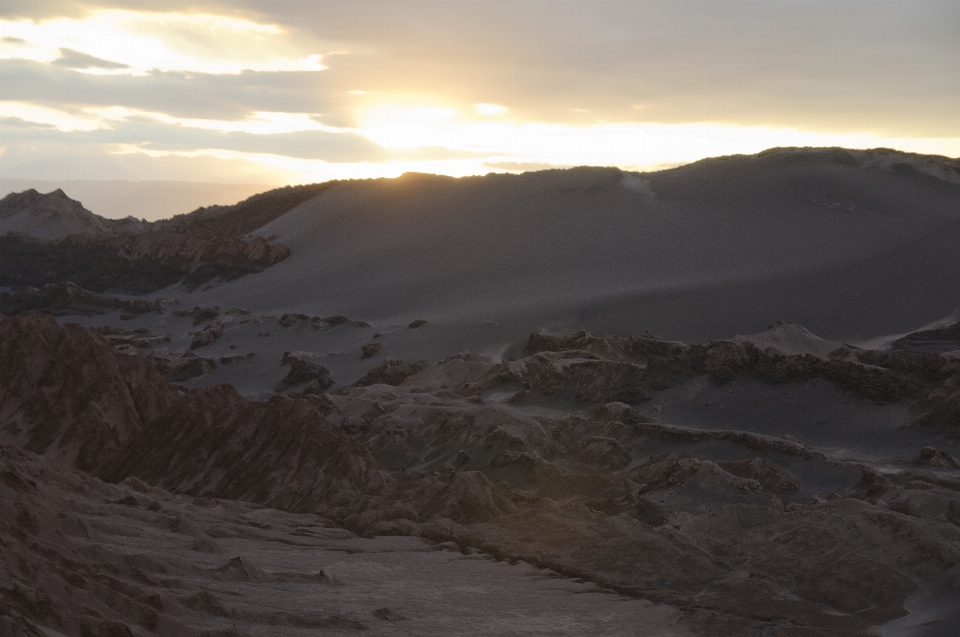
[[133, 256], [55, 216]]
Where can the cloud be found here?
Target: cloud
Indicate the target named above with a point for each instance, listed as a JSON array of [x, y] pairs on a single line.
[[75, 60], [168, 41], [183, 94], [152, 135], [886, 68], [523, 166], [88, 161], [655, 81], [52, 118], [490, 109], [148, 135]]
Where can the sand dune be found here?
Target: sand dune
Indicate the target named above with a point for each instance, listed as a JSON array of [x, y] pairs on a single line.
[[830, 239]]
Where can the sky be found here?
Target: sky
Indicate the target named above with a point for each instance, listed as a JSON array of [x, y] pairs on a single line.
[[277, 92]]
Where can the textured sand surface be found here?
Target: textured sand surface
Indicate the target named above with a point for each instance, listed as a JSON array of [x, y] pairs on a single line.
[[721, 247]]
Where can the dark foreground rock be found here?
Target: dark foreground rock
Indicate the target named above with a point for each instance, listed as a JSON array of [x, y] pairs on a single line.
[[741, 533], [82, 557], [60, 299], [66, 393], [314, 378]]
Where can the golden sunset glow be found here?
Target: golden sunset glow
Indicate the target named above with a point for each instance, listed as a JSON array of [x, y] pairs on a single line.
[[315, 93]]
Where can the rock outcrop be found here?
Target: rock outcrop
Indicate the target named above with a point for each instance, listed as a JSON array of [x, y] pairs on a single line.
[[207, 335], [177, 368], [214, 443], [880, 377], [54, 216], [577, 374], [60, 242], [390, 372], [313, 377], [68, 298], [66, 393]]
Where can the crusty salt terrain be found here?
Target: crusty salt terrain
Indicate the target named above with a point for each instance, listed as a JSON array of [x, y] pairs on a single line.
[[716, 400]]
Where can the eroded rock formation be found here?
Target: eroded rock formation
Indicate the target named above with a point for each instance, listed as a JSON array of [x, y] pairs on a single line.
[[745, 532]]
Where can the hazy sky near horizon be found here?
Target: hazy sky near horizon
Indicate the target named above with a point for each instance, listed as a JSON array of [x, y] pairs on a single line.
[[274, 91]]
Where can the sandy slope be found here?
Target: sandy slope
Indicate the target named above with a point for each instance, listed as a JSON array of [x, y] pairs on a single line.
[[821, 238]]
